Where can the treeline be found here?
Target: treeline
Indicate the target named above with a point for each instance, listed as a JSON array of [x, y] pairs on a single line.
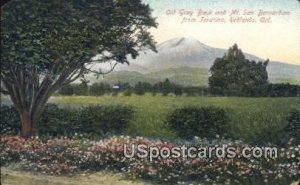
[[276, 90], [235, 75], [164, 88], [167, 87]]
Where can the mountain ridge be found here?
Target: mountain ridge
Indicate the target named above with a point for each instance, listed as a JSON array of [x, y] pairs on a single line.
[[189, 52]]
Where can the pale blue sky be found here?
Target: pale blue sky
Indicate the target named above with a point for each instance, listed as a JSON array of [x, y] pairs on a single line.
[[279, 40]]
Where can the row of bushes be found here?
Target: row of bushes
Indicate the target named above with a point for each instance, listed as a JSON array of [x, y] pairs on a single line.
[[167, 87], [275, 90], [55, 120], [204, 122], [213, 122], [188, 122], [163, 87]]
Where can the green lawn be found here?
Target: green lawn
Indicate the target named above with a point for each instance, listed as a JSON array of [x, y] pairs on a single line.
[[253, 119]]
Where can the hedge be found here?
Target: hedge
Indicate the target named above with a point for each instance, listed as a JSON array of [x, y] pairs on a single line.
[[55, 120], [10, 121], [204, 122]]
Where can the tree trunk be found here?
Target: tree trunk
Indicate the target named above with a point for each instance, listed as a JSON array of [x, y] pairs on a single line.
[[30, 89], [27, 126]]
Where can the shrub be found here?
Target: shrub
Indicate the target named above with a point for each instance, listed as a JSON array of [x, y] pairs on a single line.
[[105, 119], [59, 121], [10, 121], [127, 92], [178, 90], [55, 120], [198, 121], [293, 125], [114, 93]]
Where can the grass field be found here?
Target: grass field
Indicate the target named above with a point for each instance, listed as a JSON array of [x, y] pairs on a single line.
[[252, 119]]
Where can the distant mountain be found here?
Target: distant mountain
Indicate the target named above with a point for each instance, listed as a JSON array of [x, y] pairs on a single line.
[[281, 72], [183, 59], [178, 52]]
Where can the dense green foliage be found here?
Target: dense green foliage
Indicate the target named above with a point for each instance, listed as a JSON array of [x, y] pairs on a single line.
[[281, 90], [97, 89], [60, 121], [10, 121], [140, 88], [55, 120], [103, 120], [204, 122], [73, 32], [127, 92], [166, 87], [235, 75], [48, 44]]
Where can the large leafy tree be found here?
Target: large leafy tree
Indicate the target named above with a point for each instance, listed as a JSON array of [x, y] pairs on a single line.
[[51, 43], [235, 75]]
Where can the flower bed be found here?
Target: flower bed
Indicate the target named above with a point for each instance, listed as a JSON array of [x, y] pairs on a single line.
[[68, 156]]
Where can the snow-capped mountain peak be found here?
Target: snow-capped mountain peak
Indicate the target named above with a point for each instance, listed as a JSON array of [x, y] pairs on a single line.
[[189, 52], [180, 41]]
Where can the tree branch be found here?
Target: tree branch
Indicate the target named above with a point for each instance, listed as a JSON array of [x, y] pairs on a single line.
[[100, 72]]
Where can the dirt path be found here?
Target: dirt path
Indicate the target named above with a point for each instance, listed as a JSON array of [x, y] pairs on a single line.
[[13, 177]]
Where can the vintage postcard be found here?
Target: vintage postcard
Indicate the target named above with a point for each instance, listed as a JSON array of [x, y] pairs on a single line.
[[188, 92]]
